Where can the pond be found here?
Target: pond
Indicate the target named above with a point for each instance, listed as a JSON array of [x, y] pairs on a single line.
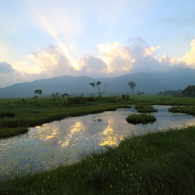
[[66, 141]]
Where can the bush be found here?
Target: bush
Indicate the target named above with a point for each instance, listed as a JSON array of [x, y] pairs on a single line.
[[77, 100], [125, 96]]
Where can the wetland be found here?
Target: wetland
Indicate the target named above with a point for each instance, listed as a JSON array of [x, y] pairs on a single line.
[[51, 147], [66, 141]]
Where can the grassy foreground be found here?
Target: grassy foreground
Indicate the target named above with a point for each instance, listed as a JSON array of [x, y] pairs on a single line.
[[157, 163]]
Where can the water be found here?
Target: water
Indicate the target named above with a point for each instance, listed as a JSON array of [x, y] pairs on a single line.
[[65, 141]]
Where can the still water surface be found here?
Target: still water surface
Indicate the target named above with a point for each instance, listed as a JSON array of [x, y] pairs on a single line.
[[65, 141]]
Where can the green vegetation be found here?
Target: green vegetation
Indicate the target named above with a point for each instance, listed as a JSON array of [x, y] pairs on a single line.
[[140, 118], [175, 93], [144, 108], [7, 114], [158, 163], [183, 109], [189, 91]]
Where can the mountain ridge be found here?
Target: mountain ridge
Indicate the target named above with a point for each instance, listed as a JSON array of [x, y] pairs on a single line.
[[149, 83]]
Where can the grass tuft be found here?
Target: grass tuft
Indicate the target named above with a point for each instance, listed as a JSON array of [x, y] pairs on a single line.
[[140, 118]]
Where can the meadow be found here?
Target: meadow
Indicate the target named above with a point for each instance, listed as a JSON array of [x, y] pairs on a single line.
[[155, 163]]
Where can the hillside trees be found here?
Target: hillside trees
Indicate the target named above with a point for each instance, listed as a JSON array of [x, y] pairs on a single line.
[[101, 88], [189, 91]]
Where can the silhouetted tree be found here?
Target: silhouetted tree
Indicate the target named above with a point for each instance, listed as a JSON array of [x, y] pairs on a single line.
[[100, 87], [132, 85], [65, 95], [38, 92], [140, 93]]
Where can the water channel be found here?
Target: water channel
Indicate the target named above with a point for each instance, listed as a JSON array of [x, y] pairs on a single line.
[[65, 141]]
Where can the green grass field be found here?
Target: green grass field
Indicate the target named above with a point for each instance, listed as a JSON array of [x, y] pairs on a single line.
[[156, 163]]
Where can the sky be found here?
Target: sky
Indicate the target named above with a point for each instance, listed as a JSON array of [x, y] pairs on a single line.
[[97, 38]]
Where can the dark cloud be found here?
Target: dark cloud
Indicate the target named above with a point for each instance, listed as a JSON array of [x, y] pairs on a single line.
[[6, 68]]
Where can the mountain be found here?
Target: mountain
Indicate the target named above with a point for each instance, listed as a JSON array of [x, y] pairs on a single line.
[[149, 83]]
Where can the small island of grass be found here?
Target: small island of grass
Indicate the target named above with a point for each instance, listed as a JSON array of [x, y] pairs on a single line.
[[140, 118]]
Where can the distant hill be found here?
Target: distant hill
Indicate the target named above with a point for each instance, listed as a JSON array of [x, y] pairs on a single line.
[[149, 83]]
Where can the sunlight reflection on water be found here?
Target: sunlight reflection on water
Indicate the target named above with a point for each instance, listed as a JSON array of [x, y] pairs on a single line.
[[65, 141]]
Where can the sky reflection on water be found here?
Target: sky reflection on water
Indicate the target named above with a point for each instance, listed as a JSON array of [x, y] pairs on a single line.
[[65, 141]]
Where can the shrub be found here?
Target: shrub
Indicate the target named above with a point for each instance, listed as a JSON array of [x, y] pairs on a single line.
[[77, 100], [125, 96]]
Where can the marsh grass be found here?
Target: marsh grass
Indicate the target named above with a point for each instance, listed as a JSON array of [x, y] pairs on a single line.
[[7, 132], [6, 114], [183, 109], [145, 108], [140, 118], [154, 163]]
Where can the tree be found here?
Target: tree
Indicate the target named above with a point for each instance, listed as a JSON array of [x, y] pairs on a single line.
[[100, 87], [132, 85], [65, 95], [189, 91], [140, 93], [38, 92]]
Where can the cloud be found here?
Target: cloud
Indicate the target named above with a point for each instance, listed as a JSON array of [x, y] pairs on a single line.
[[52, 61], [189, 58], [112, 59], [92, 64], [122, 59], [6, 68], [9, 75], [116, 56]]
